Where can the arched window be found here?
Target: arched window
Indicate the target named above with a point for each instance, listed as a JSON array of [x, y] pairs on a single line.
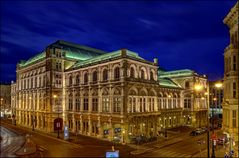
[[105, 101], [105, 75], [142, 74], [117, 73], [117, 101], [132, 72], [186, 84], [95, 76], [70, 102], [77, 79], [151, 75], [86, 78], [70, 80]]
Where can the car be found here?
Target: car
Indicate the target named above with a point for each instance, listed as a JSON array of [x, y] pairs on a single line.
[[197, 131]]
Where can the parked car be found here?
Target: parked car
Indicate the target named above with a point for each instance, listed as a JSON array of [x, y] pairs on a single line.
[[197, 131]]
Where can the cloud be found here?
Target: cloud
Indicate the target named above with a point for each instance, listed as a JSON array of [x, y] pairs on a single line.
[[170, 29]]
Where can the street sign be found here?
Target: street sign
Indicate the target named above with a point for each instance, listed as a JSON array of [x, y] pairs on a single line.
[[66, 132], [112, 154]]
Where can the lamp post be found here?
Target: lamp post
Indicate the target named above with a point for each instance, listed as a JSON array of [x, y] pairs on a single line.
[[198, 88], [208, 124], [58, 122], [218, 86]]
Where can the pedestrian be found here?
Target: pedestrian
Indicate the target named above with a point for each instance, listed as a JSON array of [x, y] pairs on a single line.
[[226, 155]]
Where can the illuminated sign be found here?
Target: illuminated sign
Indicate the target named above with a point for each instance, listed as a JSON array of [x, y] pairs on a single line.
[[66, 132], [112, 154]]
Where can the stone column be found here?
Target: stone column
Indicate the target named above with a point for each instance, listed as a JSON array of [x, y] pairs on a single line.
[[81, 125], [74, 124], [111, 132], [90, 126], [100, 135]]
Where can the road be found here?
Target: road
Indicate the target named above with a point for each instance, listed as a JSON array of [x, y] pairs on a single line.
[[183, 145], [86, 147], [11, 142], [179, 145]]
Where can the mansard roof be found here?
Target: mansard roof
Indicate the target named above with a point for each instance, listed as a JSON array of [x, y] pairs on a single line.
[[71, 50], [167, 82], [175, 73], [107, 56], [35, 58], [76, 51]]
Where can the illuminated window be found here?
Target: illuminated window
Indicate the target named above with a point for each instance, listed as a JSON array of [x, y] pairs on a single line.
[[105, 104], [70, 102], [117, 103], [77, 107]]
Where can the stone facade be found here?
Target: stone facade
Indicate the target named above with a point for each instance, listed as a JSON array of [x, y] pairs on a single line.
[[231, 75], [195, 104], [116, 95], [5, 95]]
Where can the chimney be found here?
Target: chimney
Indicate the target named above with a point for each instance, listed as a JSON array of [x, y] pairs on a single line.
[[156, 61], [123, 52]]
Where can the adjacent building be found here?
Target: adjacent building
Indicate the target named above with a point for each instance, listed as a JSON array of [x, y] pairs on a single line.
[[216, 98], [116, 95], [5, 96], [194, 95], [231, 75]]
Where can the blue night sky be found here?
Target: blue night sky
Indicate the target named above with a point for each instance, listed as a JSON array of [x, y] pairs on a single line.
[[181, 34]]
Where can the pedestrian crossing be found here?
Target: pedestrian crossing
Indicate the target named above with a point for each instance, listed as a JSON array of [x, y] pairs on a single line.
[[167, 153], [9, 149]]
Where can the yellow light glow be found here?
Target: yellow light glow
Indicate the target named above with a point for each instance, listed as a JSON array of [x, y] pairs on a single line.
[[202, 98], [214, 99], [54, 96], [206, 93], [169, 96], [198, 87], [218, 85]]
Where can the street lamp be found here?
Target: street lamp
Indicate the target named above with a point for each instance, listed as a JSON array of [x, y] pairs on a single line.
[[198, 88], [58, 122], [213, 148], [208, 124]]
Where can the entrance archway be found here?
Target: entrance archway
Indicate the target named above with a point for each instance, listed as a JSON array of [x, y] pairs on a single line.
[[58, 123]]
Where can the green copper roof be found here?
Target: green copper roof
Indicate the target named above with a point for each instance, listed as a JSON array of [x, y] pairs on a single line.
[[71, 50], [33, 59], [166, 82], [106, 56], [76, 51], [176, 73]]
